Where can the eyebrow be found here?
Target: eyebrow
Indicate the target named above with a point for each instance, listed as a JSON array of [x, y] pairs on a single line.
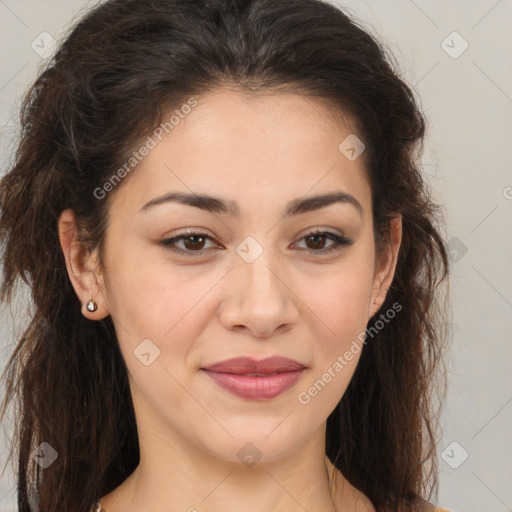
[[213, 204]]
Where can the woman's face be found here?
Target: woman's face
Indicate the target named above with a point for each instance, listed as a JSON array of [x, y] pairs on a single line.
[[254, 284]]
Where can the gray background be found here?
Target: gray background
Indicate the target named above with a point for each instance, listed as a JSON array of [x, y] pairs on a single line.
[[467, 97]]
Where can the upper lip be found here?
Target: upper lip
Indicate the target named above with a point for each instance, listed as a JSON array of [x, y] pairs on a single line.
[[246, 365]]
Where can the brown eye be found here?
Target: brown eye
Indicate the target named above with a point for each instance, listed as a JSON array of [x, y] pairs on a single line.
[[315, 241], [192, 243]]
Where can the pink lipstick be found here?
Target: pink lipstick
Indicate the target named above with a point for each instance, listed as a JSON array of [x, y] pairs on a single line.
[[255, 380]]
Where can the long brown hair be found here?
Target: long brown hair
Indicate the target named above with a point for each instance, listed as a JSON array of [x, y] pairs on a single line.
[[119, 70]]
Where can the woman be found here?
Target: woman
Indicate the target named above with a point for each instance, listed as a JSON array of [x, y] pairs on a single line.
[[234, 264]]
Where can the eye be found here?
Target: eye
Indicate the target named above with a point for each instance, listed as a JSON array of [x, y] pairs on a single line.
[[317, 240], [193, 242]]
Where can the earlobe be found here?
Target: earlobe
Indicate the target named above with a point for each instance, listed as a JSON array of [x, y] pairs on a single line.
[[82, 268], [386, 265]]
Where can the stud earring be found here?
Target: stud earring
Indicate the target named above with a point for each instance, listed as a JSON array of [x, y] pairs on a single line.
[[92, 306]]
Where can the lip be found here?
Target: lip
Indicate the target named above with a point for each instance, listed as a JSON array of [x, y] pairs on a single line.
[[247, 365], [251, 379]]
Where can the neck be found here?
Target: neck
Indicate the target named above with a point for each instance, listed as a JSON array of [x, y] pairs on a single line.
[[280, 486], [174, 475]]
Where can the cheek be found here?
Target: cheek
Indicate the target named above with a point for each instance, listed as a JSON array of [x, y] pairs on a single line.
[[148, 294], [157, 319], [342, 307], [164, 304], [349, 303], [340, 301]]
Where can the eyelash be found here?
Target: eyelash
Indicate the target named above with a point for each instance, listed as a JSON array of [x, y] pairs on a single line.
[[340, 242]]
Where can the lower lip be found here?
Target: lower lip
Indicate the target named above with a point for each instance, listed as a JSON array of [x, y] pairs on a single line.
[[256, 388]]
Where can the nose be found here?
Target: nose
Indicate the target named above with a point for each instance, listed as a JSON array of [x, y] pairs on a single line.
[[259, 299]]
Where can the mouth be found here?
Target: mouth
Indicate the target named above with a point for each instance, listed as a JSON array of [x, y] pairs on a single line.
[[255, 380]]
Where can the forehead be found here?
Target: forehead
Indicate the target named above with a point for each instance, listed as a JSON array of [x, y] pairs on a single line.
[[265, 120], [240, 144]]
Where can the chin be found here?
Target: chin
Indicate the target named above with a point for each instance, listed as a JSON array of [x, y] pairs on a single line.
[[265, 441]]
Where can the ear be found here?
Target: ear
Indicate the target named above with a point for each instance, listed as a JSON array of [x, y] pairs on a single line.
[[83, 267], [385, 265]]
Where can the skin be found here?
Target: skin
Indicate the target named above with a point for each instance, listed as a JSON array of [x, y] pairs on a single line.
[[261, 152]]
